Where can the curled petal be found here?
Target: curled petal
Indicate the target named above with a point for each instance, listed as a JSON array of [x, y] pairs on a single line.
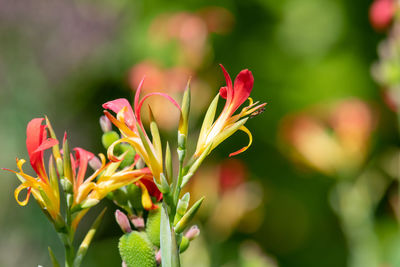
[[139, 106], [137, 97], [120, 125], [244, 129], [118, 104], [18, 190], [146, 199]]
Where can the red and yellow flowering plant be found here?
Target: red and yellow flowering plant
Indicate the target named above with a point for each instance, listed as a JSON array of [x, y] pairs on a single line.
[[136, 176], [131, 127], [215, 132], [44, 189]]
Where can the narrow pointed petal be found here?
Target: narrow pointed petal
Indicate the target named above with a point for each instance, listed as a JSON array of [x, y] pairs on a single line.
[[244, 129], [229, 88]]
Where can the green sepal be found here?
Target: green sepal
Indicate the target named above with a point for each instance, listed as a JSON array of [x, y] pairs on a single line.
[[67, 165], [184, 222], [53, 178], [168, 163], [182, 206], [209, 117], [155, 133], [136, 250], [184, 118]]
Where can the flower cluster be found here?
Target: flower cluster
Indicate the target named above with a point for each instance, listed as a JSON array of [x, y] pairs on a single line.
[[136, 174]]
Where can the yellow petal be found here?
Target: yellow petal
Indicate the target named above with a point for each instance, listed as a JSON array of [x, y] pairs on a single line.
[[18, 190], [244, 129]]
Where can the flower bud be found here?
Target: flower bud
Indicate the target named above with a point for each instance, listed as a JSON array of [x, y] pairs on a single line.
[[193, 232], [108, 138], [123, 221], [88, 203], [182, 206], [137, 221], [105, 124], [95, 163], [184, 244]]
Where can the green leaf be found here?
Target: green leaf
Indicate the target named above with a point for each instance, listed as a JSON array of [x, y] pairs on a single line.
[[169, 248], [88, 239], [53, 258]]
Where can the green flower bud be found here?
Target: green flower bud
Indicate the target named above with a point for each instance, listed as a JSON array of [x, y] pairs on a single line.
[[184, 244], [153, 226], [129, 157], [182, 206], [136, 250], [108, 138]]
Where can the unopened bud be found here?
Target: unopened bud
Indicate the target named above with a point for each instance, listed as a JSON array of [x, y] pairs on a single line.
[[184, 244], [123, 221], [158, 257], [193, 232], [108, 138], [88, 203], [137, 221], [95, 163], [105, 124]]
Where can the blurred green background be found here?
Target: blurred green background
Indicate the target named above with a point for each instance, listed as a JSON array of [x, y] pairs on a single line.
[[65, 58]]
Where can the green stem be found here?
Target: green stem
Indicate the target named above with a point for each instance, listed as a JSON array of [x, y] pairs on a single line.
[[68, 248]]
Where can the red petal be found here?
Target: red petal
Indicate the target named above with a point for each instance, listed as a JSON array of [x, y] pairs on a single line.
[[46, 144], [170, 99], [229, 86], [242, 87], [137, 97], [118, 104], [35, 134], [223, 92], [82, 156], [152, 188]]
